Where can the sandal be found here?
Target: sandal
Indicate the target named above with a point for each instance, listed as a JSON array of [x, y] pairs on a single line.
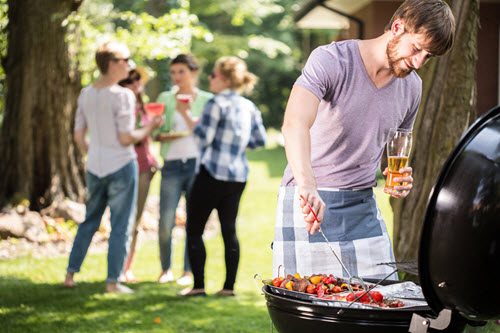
[[192, 292], [225, 292]]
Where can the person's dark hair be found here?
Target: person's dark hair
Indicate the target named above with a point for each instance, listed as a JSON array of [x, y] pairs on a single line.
[[134, 74], [187, 59], [433, 18]]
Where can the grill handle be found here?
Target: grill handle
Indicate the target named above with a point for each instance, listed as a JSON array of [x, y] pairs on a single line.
[[256, 283]]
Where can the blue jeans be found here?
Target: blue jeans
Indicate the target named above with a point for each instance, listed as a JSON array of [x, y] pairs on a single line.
[[118, 191], [177, 176]]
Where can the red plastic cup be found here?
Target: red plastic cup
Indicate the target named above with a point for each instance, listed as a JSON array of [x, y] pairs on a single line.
[[154, 109], [184, 98]]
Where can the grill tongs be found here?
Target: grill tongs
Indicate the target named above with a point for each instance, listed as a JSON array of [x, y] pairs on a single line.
[[351, 277]]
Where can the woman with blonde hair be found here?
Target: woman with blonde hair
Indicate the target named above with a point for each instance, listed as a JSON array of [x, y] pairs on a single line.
[[229, 124]]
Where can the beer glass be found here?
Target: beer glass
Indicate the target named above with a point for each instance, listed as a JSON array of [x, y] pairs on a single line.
[[398, 151]]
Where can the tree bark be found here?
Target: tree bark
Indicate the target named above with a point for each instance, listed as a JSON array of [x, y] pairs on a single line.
[[39, 160], [447, 109]]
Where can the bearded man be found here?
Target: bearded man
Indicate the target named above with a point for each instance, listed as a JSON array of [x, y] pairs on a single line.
[[336, 123]]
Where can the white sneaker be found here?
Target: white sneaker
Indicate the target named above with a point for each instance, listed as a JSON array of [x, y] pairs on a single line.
[[166, 277], [119, 288], [185, 280]]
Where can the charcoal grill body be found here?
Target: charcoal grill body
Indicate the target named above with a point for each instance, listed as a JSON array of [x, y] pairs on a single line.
[[297, 316], [459, 254]]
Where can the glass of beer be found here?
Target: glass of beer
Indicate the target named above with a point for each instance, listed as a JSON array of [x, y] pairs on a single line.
[[398, 151]]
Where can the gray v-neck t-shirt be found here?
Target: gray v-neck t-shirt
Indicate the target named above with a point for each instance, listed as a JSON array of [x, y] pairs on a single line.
[[354, 117]]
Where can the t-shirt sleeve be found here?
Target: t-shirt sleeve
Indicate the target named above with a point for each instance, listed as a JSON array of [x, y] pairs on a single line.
[[80, 121], [125, 115], [317, 73], [258, 132]]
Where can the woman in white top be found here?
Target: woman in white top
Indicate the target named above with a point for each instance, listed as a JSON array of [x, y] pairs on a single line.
[[183, 105]]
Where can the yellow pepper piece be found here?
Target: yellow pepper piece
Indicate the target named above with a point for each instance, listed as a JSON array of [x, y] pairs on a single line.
[[344, 286], [315, 279], [297, 275], [289, 285]]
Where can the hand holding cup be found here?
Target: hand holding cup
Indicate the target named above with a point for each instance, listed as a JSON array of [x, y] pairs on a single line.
[[399, 180]]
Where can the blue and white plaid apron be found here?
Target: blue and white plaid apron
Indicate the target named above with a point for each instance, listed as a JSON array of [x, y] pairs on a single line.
[[353, 225]]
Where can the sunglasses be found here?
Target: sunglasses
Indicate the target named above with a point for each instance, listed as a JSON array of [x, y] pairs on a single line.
[[118, 59], [130, 80], [214, 75]]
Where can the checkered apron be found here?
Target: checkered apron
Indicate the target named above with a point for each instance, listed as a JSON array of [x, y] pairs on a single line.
[[353, 225]]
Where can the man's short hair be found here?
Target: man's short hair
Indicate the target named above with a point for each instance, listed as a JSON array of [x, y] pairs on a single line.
[[110, 51], [433, 18]]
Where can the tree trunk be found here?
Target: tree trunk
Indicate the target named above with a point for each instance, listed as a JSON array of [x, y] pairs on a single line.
[[39, 160], [447, 109]]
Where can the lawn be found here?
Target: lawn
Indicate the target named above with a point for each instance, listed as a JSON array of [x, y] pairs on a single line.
[[33, 300]]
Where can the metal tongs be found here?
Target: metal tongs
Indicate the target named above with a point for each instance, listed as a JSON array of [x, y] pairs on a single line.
[[351, 277]]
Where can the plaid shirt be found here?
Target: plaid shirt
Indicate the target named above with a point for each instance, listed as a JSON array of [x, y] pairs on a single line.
[[228, 125]]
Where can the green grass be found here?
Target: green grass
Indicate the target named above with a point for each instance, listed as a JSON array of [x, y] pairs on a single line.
[[32, 298]]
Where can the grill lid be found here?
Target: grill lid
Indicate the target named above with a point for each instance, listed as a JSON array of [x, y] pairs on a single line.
[[459, 255]]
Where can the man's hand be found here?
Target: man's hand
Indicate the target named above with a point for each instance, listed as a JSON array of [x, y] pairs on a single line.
[[401, 191], [311, 196]]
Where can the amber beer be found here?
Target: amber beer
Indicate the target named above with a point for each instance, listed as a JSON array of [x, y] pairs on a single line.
[[398, 150], [395, 163]]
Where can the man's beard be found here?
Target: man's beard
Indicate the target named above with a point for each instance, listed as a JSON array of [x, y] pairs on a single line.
[[391, 51]]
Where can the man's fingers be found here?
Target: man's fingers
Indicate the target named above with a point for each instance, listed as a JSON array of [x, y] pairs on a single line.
[[404, 179], [408, 170], [315, 227], [398, 194], [313, 209], [308, 226]]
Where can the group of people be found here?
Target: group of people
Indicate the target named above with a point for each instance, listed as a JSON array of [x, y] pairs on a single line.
[[204, 137], [340, 110]]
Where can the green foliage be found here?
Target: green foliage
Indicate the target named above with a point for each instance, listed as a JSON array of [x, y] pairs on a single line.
[[263, 34], [147, 37], [4, 20], [65, 227], [239, 11], [19, 199]]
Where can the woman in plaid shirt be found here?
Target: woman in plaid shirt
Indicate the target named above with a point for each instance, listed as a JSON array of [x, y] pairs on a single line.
[[229, 124]]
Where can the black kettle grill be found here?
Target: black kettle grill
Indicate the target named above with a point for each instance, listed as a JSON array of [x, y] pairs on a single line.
[[459, 255]]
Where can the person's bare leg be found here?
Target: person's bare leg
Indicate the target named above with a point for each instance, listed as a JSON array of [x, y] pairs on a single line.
[[128, 275], [69, 281], [128, 262]]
